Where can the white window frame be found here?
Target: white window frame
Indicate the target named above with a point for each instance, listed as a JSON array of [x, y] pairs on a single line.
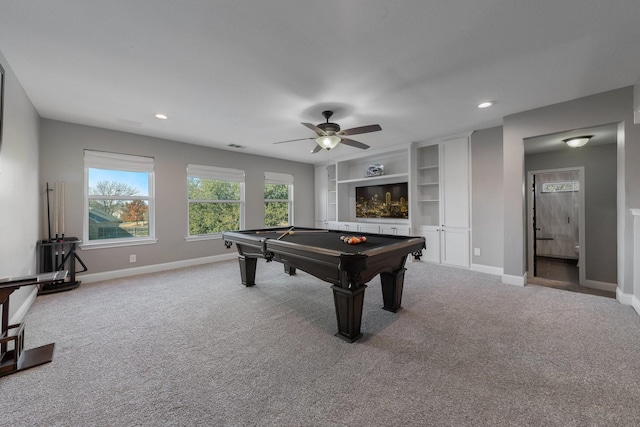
[[281, 178], [215, 173], [118, 162]]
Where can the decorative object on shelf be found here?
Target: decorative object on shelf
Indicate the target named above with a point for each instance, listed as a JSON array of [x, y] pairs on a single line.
[[375, 170]]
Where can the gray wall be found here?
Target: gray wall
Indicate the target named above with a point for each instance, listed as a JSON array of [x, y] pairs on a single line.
[[19, 192], [610, 107], [600, 202], [487, 201], [61, 155]]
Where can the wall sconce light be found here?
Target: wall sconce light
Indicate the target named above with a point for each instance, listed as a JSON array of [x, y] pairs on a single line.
[[577, 141]]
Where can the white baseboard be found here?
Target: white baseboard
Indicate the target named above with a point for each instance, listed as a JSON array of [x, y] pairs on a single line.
[[496, 271], [24, 308], [116, 274], [514, 280], [635, 303], [601, 286], [626, 299]]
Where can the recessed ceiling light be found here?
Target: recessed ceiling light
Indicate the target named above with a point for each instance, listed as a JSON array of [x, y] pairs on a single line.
[[161, 116], [485, 104]]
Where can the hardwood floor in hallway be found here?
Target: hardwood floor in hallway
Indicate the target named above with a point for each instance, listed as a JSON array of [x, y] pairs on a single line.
[[563, 274]]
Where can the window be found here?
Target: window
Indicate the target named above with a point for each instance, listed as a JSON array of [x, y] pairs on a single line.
[[278, 199], [216, 199], [119, 199]]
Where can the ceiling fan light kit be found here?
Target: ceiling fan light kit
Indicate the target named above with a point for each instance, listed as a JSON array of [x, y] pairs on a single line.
[[329, 135], [328, 142]]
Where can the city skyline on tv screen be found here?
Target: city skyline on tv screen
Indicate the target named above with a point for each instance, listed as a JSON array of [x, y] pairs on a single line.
[[383, 201]]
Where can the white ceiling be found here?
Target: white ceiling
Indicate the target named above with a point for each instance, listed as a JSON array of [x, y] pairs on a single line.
[[248, 72]]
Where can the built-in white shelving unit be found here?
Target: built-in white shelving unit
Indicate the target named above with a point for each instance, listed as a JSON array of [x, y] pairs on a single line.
[[441, 199], [336, 187]]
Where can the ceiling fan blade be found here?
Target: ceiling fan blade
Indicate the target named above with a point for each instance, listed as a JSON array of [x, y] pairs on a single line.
[[316, 149], [361, 129], [353, 143], [315, 128], [292, 140]]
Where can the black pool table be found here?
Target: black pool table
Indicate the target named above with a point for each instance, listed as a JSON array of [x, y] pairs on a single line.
[[322, 254]]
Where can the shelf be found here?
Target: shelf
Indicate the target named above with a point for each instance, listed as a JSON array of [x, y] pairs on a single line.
[[375, 178], [428, 183], [420, 168], [428, 200]]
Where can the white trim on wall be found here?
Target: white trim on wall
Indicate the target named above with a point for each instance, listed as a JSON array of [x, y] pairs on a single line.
[[116, 274], [488, 269], [514, 280]]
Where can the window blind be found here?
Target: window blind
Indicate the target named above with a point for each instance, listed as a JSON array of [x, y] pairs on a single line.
[[278, 178], [215, 173], [116, 161]]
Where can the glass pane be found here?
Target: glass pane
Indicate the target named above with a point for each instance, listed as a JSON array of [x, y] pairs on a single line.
[[208, 218], [103, 182], [276, 191], [115, 219], [207, 189], [276, 214]]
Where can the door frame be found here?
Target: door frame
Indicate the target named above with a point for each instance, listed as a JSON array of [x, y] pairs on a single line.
[[582, 270]]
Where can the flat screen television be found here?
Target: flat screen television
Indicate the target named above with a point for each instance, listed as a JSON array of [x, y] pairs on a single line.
[[383, 201]]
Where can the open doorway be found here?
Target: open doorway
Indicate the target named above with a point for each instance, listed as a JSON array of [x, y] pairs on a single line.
[[556, 218], [573, 243]]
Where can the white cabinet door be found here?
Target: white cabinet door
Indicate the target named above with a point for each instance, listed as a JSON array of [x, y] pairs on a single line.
[[368, 228], [455, 247], [395, 230], [455, 183], [321, 193], [333, 225], [351, 227], [432, 243]]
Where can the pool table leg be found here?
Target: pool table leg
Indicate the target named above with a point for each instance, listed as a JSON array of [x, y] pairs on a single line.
[[392, 289], [349, 304], [247, 269], [288, 269]]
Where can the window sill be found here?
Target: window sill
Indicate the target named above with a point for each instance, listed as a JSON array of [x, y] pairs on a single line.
[[199, 238], [112, 244]]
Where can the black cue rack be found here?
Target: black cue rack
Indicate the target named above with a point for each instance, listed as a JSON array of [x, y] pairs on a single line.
[[59, 255]]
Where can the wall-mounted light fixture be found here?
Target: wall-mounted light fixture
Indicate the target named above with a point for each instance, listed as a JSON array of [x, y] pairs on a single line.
[[577, 141]]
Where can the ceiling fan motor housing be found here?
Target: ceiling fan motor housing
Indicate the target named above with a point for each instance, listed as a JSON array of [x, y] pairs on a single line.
[[329, 127]]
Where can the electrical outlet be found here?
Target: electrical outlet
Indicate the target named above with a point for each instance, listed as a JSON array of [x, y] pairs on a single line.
[[132, 258], [476, 251]]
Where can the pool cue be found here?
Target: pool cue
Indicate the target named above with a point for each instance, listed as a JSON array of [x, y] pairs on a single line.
[[294, 231], [62, 211], [55, 208], [48, 212], [284, 234]]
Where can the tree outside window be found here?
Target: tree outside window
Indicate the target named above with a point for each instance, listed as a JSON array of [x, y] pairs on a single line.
[[216, 198], [119, 199], [278, 199]]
